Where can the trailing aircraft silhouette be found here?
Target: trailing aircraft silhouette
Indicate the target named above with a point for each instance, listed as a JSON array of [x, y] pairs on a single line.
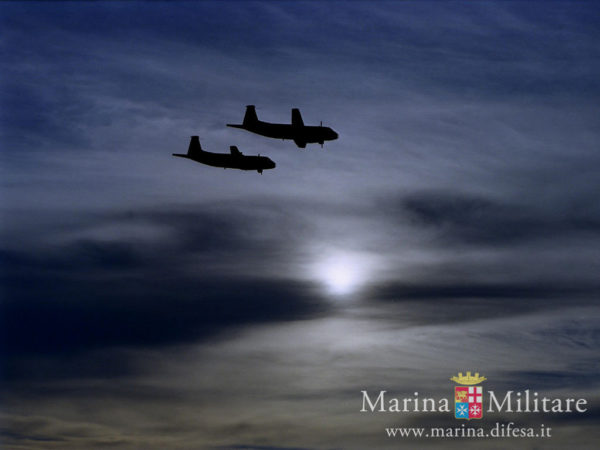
[[233, 160], [298, 132]]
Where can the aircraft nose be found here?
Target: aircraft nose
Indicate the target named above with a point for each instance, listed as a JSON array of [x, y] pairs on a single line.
[[334, 134]]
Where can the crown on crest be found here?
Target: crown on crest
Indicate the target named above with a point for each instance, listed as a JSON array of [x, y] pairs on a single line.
[[468, 378]]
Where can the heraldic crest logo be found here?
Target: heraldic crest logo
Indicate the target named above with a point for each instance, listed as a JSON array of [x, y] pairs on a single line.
[[468, 398]]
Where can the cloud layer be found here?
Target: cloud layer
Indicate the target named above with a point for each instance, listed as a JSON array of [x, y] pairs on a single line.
[[148, 302]]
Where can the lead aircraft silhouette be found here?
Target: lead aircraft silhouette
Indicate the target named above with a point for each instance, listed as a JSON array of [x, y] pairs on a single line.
[[298, 132], [233, 160]]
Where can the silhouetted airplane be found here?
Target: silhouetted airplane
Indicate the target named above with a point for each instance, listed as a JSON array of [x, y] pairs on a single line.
[[233, 160], [301, 134]]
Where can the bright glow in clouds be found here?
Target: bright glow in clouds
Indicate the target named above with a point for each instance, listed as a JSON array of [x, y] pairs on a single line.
[[343, 273], [340, 277]]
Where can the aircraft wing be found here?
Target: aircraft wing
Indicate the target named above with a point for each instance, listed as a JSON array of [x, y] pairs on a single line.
[[300, 143]]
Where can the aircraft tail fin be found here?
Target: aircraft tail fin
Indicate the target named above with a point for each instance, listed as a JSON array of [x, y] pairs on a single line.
[[194, 147], [234, 151], [297, 118], [250, 117]]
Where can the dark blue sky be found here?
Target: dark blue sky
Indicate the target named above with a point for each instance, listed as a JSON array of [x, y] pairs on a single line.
[[453, 226]]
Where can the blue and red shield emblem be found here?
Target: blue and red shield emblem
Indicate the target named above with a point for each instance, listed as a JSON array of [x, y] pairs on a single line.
[[468, 402]]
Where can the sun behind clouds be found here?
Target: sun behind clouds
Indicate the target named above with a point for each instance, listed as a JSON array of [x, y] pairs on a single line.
[[343, 273]]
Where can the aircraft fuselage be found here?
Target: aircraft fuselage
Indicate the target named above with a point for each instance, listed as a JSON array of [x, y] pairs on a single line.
[[298, 132], [307, 134], [231, 161]]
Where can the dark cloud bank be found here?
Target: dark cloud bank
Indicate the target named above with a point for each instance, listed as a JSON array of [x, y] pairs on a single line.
[[477, 220], [88, 294]]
